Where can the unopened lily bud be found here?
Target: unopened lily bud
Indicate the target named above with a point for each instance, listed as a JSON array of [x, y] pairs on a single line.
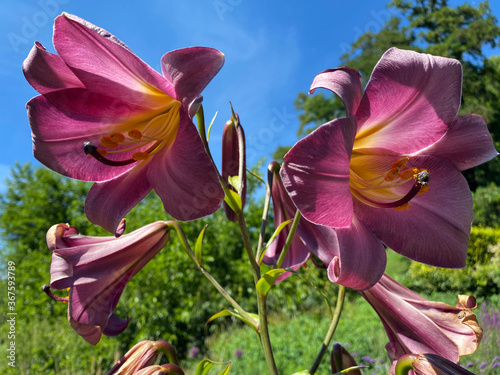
[[142, 356], [234, 162], [341, 360]]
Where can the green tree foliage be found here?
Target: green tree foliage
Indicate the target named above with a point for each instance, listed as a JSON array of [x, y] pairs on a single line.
[[432, 26]]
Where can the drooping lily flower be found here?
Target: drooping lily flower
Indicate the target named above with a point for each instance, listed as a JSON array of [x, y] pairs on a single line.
[[96, 270], [428, 364], [393, 163], [143, 355], [166, 369], [336, 248], [233, 143], [104, 115], [416, 325]]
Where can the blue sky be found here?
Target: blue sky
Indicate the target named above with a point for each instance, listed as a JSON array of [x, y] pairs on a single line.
[[273, 51]]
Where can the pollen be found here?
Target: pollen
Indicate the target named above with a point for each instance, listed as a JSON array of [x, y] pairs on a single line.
[[140, 156], [135, 134], [403, 207], [423, 189], [117, 137], [107, 142], [395, 169], [102, 151], [409, 173]]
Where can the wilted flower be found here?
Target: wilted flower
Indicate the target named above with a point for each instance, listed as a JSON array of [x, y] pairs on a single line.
[[393, 164], [416, 325], [233, 143], [96, 270], [106, 116], [167, 369], [142, 355], [338, 248]]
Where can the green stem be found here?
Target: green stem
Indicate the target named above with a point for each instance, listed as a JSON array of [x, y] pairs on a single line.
[[187, 248], [263, 330], [288, 241], [263, 225], [331, 330]]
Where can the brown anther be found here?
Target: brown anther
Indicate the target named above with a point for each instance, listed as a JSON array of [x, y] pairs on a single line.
[[135, 134], [140, 156], [117, 137], [408, 173], [403, 207], [108, 143]]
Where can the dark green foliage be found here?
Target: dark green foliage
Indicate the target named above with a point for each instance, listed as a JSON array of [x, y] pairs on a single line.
[[487, 206], [480, 278]]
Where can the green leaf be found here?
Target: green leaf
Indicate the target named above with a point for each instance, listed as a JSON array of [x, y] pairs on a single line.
[[210, 126], [267, 281], [236, 314], [234, 181], [226, 370], [303, 372], [206, 364], [197, 246], [204, 367], [233, 200], [273, 237], [348, 370]]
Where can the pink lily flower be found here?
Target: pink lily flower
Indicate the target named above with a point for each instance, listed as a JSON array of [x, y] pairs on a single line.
[[328, 244], [96, 270], [416, 325], [393, 164], [104, 115]]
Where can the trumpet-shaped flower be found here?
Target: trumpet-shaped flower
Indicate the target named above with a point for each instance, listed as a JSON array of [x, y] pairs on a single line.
[[336, 248], [416, 325], [393, 163], [104, 115], [96, 270]]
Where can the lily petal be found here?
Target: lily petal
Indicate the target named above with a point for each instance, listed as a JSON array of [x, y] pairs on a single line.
[[345, 82], [354, 266], [108, 202], [315, 173], [409, 102], [119, 73], [184, 177], [435, 229], [63, 120], [190, 70], [47, 72], [466, 144]]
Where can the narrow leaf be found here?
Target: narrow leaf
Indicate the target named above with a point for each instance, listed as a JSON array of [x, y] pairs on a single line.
[[348, 370], [197, 246], [236, 314], [204, 367], [234, 181], [210, 126], [273, 237], [267, 281], [226, 370]]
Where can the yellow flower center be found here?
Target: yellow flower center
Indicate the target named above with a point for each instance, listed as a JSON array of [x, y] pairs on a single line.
[[139, 138], [389, 188]]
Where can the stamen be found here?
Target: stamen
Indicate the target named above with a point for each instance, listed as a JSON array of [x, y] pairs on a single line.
[[135, 134], [421, 181], [140, 156], [91, 149], [107, 142], [396, 168], [117, 137]]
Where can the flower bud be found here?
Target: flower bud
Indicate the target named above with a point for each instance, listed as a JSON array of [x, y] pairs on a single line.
[[341, 360], [234, 162]]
